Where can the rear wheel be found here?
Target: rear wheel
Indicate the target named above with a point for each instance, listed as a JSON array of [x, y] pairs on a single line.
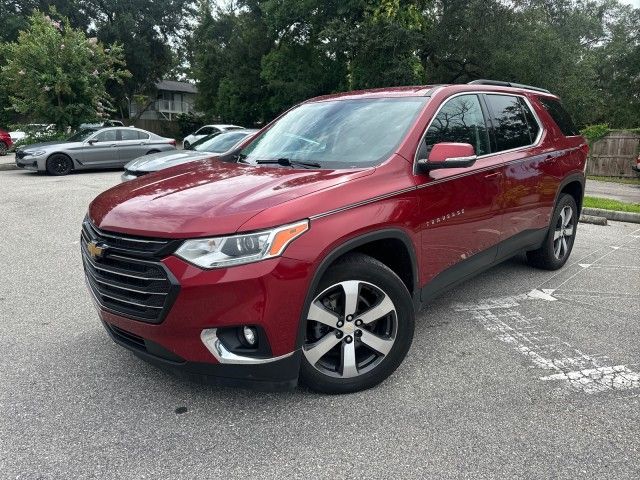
[[3, 149], [58, 164], [359, 327], [558, 243]]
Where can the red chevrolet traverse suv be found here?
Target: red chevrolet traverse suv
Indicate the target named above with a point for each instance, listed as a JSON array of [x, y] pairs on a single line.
[[304, 253]]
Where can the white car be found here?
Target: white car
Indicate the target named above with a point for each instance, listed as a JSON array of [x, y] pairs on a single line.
[[31, 129], [207, 130]]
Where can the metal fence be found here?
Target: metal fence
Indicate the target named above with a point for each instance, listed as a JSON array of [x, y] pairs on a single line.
[[613, 155]]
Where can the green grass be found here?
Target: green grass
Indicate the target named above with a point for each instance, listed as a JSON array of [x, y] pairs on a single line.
[[606, 204], [625, 180]]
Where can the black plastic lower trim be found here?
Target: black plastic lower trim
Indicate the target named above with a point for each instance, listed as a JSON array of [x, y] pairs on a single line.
[[469, 268], [273, 376]]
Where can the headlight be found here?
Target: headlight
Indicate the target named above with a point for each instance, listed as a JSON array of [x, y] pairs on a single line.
[[240, 249], [37, 153]]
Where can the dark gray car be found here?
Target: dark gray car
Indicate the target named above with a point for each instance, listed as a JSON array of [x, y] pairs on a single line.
[[203, 149], [90, 149]]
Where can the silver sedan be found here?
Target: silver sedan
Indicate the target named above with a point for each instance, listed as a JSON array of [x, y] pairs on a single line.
[[90, 149]]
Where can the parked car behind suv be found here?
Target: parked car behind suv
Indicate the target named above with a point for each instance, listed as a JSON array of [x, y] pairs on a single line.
[[206, 130], [91, 148], [305, 254], [216, 144]]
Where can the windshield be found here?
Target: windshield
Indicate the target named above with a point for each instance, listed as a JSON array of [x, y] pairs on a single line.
[[338, 133], [81, 135], [221, 143]]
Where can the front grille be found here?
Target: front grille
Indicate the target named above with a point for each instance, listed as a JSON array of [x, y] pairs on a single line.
[[133, 286], [129, 338], [128, 244]]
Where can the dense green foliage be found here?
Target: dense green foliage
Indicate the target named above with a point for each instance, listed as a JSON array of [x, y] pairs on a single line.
[[150, 33], [253, 59], [256, 58], [55, 72]]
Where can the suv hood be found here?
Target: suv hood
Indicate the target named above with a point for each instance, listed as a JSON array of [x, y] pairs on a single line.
[[206, 198], [158, 161]]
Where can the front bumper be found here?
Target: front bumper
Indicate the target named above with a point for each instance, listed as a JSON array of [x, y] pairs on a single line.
[[281, 374], [269, 294], [28, 163]]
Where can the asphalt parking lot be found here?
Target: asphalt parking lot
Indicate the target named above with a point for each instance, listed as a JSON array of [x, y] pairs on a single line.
[[519, 373]]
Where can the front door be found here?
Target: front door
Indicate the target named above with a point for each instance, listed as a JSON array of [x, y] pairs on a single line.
[[101, 150], [460, 226]]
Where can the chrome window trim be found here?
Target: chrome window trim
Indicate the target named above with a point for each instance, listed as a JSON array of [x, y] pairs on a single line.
[[536, 142]]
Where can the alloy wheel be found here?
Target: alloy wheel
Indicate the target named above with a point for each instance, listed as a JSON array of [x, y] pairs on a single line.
[[563, 232], [351, 328]]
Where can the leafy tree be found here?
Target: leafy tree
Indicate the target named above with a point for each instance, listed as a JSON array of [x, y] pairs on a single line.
[[54, 73], [146, 29]]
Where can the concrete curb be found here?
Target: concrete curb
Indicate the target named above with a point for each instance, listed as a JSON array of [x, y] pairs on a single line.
[[613, 215], [593, 219]]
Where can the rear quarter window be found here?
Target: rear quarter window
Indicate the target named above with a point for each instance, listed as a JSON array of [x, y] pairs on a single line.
[[560, 116]]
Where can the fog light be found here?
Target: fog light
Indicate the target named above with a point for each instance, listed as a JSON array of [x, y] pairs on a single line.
[[250, 335]]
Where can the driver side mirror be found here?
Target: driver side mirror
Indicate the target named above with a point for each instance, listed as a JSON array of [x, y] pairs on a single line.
[[448, 155], [92, 141]]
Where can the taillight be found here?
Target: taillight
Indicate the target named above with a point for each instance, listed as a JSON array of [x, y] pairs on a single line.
[[172, 142]]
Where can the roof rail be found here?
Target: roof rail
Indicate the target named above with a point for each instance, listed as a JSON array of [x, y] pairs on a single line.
[[498, 83]]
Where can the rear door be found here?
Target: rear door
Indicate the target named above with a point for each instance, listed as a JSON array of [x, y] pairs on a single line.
[[517, 135], [459, 207], [101, 150], [133, 144]]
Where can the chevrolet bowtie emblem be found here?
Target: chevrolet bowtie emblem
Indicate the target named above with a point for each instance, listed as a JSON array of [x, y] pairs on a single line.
[[95, 250]]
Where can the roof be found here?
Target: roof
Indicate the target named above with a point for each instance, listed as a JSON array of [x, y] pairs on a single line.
[[411, 91], [173, 86], [429, 90]]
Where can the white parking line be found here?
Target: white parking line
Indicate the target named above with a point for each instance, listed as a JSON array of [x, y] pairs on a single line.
[[583, 372]]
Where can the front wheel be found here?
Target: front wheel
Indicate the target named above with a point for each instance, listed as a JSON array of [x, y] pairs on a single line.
[[3, 149], [58, 164], [186, 145], [359, 327], [558, 243]]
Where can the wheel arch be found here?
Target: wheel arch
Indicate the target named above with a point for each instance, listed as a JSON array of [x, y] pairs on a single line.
[[64, 154], [372, 244], [574, 186]]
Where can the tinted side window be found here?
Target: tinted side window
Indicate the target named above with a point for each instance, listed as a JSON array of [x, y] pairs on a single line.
[[129, 134], [106, 136], [459, 120], [509, 123], [143, 136], [559, 115]]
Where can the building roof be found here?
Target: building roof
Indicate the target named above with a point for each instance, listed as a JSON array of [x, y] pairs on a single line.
[[173, 86]]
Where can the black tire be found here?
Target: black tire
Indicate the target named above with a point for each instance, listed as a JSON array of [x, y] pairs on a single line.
[[553, 254], [3, 149], [59, 164], [186, 145], [376, 285]]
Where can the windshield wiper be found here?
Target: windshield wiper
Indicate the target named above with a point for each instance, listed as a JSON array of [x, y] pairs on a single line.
[[286, 162]]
